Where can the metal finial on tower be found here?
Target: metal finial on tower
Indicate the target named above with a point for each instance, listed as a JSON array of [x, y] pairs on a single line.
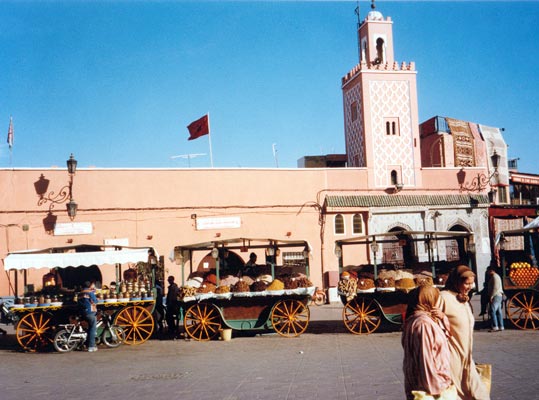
[[358, 25], [373, 6]]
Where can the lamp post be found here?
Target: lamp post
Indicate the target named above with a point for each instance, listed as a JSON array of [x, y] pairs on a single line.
[[374, 249], [65, 194], [481, 181], [71, 205]]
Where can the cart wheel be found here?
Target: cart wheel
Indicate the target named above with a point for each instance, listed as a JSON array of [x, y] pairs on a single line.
[[523, 310], [319, 298], [202, 321], [361, 315], [136, 322], [290, 318], [35, 331]]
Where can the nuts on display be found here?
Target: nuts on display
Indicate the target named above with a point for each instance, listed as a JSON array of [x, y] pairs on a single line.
[[240, 286], [222, 289], [258, 286], [277, 284]]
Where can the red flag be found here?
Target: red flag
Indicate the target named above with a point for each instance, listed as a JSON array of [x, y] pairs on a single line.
[[10, 133], [199, 128]]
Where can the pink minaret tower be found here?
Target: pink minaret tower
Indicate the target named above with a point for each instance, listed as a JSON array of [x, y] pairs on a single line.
[[380, 110]]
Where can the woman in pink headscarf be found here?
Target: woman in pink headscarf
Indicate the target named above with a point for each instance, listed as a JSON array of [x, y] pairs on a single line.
[[456, 305], [426, 350]]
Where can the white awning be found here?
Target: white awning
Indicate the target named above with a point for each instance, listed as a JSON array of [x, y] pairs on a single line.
[[533, 224], [36, 259]]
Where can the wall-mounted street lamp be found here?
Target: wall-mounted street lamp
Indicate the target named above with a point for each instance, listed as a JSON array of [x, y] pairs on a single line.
[[65, 194], [481, 181]]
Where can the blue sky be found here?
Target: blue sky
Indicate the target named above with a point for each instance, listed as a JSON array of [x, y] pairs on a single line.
[[116, 82]]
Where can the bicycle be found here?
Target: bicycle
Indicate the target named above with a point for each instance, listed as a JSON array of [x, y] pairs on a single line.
[[74, 335], [319, 297]]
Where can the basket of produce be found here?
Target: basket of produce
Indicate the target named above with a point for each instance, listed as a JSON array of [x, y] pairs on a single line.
[[365, 285], [523, 274], [405, 284], [386, 284]]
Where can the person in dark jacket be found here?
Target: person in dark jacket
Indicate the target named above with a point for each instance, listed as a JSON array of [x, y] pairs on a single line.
[[88, 304], [172, 306]]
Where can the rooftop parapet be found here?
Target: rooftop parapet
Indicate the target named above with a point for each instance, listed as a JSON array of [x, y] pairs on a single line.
[[363, 66]]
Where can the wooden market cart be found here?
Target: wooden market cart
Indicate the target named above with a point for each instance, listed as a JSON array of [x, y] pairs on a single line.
[[286, 312], [520, 275], [365, 309], [36, 323]]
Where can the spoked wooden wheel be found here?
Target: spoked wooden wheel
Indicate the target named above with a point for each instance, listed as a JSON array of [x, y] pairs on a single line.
[[361, 316], [35, 331], [523, 310], [137, 323], [202, 321], [290, 318]]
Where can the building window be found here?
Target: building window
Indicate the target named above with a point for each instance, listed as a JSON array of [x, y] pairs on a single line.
[[353, 111], [339, 224], [392, 126], [357, 224], [502, 195]]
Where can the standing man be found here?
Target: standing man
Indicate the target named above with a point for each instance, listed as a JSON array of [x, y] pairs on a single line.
[[88, 305], [495, 296], [172, 306]]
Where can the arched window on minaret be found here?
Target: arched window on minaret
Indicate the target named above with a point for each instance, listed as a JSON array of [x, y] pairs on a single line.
[[394, 178], [380, 57]]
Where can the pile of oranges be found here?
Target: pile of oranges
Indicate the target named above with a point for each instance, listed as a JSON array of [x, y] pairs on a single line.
[[523, 274]]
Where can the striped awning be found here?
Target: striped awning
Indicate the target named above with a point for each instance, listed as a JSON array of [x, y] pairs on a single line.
[[345, 201]]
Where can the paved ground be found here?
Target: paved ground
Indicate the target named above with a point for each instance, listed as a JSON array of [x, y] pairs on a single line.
[[324, 363]]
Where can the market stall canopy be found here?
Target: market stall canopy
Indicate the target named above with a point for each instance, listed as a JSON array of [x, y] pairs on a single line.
[[238, 244], [75, 256], [532, 226]]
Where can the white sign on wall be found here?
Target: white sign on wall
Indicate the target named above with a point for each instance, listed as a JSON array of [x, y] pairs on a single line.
[[73, 228], [116, 242], [218, 223]]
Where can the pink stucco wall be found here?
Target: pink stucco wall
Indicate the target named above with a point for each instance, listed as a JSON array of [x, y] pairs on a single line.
[[139, 204]]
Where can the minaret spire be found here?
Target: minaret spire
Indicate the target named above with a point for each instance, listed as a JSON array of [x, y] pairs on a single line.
[[373, 5], [358, 25]]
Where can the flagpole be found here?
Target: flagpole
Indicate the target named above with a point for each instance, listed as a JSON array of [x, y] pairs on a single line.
[[10, 141], [209, 140]]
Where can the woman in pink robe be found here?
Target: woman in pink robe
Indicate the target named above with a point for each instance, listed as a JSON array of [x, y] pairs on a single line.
[[426, 363]]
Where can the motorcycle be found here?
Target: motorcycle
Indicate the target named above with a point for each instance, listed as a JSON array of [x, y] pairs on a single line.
[[73, 336]]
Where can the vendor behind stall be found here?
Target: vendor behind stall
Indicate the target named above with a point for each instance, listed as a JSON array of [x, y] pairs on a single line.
[[250, 266]]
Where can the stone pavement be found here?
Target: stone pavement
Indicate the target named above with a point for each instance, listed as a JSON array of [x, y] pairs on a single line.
[[326, 362]]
